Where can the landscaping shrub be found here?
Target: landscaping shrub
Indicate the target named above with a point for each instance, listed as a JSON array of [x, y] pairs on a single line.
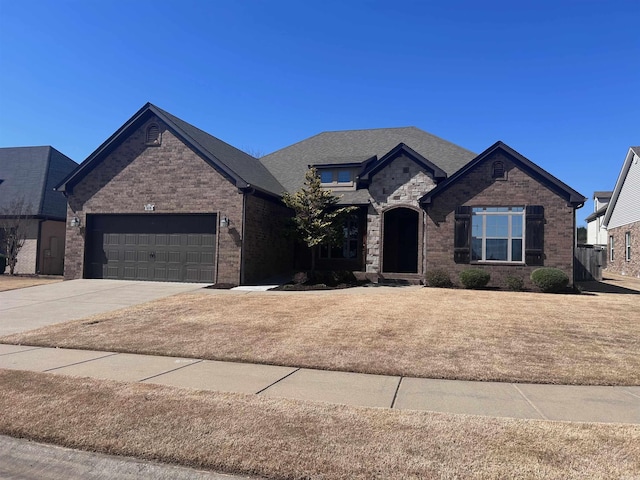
[[549, 280], [3, 263], [438, 278], [515, 284], [474, 278]]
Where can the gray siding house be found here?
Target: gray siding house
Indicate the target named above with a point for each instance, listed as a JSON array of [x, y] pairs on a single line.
[[622, 219]]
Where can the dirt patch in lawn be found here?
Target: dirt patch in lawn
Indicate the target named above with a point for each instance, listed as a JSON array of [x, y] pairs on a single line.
[[589, 339], [13, 282], [287, 439]]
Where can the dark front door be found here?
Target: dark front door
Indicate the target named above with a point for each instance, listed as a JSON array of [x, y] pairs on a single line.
[[166, 248], [400, 242]]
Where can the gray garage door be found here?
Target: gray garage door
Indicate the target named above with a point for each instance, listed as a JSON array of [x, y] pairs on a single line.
[[166, 248]]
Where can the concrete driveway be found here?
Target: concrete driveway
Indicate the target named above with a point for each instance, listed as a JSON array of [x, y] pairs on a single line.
[[28, 308]]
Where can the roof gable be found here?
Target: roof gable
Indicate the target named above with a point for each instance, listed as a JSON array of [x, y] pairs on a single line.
[[572, 197], [30, 173], [400, 149], [632, 155], [243, 170], [289, 164]]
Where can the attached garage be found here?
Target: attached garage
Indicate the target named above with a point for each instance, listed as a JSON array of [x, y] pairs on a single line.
[[154, 247]]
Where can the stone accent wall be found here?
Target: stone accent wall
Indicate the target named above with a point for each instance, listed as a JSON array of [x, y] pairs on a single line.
[[477, 188], [267, 250], [401, 183], [173, 178], [620, 265]]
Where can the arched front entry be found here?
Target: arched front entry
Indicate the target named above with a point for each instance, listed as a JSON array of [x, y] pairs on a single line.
[[400, 241]]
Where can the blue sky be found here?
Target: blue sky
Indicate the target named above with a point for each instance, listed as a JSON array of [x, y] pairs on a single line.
[[558, 81]]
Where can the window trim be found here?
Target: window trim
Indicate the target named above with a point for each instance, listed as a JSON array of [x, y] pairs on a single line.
[[510, 214], [627, 246], [611, 249]]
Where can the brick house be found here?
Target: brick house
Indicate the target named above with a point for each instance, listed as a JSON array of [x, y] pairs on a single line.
[[163, 200], [27, 178], [622, 219]]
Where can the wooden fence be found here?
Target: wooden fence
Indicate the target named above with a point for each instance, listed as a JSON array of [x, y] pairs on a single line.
[[589, 262]]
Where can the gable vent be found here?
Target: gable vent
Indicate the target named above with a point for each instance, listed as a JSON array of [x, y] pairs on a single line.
[[497, 170], [153, 135]]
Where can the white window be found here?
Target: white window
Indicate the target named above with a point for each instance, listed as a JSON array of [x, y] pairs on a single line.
[[611, 248], [497, 234], [627, 246]]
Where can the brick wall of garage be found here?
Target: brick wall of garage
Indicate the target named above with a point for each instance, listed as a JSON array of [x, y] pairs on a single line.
[[268, 251], [173, 178], [478, 188]]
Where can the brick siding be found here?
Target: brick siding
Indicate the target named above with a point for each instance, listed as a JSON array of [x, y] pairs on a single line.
[[267, 250], [478, 188], [620, 264], [173, 178]]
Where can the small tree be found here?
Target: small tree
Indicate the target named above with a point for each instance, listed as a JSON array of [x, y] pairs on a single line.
[[13, 230], [317, 218]]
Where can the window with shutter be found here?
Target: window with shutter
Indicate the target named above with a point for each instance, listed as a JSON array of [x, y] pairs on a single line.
[[462, 243], [534, 250]]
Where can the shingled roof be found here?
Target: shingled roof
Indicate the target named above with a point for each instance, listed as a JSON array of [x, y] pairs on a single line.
[[342, 147], [239, 167], [30, 174]]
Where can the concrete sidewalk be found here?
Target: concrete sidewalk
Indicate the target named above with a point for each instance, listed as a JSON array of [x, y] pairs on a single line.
[[532, 401]]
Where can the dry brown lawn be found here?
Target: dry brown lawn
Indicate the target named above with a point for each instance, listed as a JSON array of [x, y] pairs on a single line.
[[422, 332], [287, 439], [13, 282]]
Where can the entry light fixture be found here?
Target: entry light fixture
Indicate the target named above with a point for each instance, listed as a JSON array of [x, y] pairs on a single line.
[[74, 222], [224, 222]]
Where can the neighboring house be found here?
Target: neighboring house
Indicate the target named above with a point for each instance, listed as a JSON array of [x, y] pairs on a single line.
[[596, 233], [622, 219], [163, 200], [27, 178]]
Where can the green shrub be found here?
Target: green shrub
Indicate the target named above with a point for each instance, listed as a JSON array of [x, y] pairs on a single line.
[[3, 263], [549, 280], [438, 278], [474, 278], [515, 284]]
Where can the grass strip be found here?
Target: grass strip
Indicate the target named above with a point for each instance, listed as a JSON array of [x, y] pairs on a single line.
[[287, 439]]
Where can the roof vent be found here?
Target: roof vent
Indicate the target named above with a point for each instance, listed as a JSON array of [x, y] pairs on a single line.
[[498, 171], [153, 137]]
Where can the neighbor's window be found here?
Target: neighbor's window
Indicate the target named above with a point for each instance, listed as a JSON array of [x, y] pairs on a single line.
[[349, 247], [497, 234], [627, 246], [611, 248]]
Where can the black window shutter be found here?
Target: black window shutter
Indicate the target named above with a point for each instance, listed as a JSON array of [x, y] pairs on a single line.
[[534, 235], [462, 235]]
